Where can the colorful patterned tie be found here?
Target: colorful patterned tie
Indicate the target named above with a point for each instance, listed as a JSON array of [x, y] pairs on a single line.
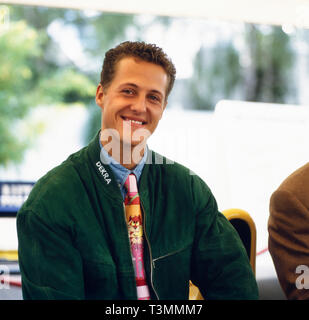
[[135, 230]]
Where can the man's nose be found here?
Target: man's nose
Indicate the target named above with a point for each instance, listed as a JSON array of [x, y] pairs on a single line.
[[139, 104]]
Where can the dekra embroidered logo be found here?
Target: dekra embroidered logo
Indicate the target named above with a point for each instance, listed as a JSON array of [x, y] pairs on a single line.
[[103, 172]]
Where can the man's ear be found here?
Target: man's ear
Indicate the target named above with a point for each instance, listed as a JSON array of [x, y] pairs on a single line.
[[99, 96]]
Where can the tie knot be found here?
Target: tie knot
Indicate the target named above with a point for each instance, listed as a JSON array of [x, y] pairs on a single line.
[[131, 183]]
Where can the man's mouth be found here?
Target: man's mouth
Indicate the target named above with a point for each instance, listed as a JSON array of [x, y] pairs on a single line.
[[134, 121]]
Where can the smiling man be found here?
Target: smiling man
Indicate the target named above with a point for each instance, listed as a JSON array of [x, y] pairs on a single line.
[[117, 220], [132, 105]]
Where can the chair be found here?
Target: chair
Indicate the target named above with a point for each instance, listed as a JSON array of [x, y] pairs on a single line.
[[11, 255], [245, 226]]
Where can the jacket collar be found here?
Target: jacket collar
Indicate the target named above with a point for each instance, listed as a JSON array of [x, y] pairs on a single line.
[[103, 171]]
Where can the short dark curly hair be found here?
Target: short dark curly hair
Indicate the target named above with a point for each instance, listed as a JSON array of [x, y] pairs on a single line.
[[141, 50]]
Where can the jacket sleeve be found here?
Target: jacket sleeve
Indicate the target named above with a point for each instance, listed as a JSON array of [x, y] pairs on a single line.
[[51, 267], [288, 241], [220, 265]]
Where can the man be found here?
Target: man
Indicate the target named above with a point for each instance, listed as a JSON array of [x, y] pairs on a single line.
[[288, 227], [118, 221]]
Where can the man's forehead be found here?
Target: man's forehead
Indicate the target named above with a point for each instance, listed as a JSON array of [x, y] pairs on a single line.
[[130, 69], [133, 63]]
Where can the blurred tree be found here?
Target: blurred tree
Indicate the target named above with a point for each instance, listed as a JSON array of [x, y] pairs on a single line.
[[67, 86], [39, 18], [22, 87], [102, 31], [17, 93], [217, 75], [267, 76]]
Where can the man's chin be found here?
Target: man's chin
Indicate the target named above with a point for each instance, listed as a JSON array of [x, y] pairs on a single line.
[[129, 144]]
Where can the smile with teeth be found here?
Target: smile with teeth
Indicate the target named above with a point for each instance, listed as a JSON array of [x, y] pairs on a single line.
[[133, 121]]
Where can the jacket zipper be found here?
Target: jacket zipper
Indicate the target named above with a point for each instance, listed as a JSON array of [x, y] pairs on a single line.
[[168, 254], [150, 253]]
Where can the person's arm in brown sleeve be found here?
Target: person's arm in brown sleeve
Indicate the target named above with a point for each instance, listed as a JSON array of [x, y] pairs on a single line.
[[288, 228]]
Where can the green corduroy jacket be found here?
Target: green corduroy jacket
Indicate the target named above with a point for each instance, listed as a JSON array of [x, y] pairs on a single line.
[[73, 238]]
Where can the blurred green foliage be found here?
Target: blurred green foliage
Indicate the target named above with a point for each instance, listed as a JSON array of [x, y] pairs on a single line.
[[17, 91], [268, 77], [265, 77], [217, 74], [67, 86]]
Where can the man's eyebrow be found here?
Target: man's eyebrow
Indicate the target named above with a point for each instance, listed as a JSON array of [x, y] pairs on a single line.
[[129, 84], [156, 91]]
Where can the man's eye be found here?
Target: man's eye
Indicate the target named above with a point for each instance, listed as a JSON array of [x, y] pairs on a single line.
[[128, 91], [154, 98]]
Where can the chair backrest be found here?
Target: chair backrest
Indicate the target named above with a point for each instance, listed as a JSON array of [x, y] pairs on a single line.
[[11, 255], [245, 226]]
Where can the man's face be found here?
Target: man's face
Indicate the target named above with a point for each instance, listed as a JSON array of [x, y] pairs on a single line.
[[135, 99]]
